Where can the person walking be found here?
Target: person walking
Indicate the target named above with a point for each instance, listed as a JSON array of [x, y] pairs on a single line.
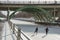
[[36, 30], [46, 30]]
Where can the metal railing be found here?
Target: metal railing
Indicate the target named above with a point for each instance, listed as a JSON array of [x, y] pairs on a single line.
[[30, 2], [17, 32]]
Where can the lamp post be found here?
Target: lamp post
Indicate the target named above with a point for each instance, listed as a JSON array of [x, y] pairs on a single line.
[[55, 1], [7, 14]]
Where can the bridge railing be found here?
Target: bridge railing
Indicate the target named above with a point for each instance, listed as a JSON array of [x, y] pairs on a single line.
[[30, 2], [18, 32]]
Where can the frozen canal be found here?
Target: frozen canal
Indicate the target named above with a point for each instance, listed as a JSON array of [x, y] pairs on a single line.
[[29, 28]]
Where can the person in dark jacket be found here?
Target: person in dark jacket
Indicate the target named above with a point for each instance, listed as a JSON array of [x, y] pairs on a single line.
[[47, 30], [36, 30]]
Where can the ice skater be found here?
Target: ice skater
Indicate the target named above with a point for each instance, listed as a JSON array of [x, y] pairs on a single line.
[[46, 30]]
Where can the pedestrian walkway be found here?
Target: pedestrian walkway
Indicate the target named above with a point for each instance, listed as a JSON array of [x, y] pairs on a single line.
[[1, 27], [7, 34]]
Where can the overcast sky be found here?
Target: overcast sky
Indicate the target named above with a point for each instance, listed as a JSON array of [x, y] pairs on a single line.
[[5, 12]]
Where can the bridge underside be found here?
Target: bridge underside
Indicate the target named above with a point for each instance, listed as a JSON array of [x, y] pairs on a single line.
[[14, 6]]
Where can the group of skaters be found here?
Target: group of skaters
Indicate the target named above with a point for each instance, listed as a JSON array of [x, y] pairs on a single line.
[[36, 30]]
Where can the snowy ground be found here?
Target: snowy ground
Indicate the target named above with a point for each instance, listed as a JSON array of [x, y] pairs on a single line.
[[28, 28], [6, 33], [1, 27]]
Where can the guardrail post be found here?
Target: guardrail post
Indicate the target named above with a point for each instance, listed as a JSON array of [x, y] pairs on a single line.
[[13, 27], [19, 34], [10, 24]]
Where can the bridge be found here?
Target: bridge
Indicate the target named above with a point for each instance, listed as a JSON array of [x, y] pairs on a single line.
[[12, 5], [11, 32]]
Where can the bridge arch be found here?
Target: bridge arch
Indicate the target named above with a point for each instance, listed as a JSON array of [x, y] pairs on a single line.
[[38, 13]]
